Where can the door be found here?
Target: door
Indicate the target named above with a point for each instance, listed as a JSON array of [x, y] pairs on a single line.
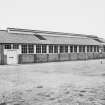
[[12, 57]]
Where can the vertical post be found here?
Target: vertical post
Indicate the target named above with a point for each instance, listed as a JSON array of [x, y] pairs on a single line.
[[78, 49], [20, 49], [20, 56], [68, 48], [47, 49], [2, 54], [85, 49], [58, 49], [11, 46], [92, 48], [34, 49], [73, 48], [53, 48], [41, 49]]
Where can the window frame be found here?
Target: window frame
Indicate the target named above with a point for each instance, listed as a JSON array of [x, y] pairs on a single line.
[[15, 46], [71, 48], [51, 49], [66, 48], [30, 48], [44, 48], [7, 46], [24, 48], [38, 48], [55, 48]]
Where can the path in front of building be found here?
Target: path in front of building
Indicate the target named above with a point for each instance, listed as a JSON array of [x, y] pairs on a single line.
[[55, 83]]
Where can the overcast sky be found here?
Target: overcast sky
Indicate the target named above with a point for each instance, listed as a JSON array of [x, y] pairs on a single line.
[[74, 16]]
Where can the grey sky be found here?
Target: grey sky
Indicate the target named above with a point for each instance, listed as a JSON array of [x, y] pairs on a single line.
[[74, 16]]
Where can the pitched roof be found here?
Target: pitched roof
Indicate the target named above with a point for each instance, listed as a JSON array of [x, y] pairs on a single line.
[[7, 37], [69, 40]]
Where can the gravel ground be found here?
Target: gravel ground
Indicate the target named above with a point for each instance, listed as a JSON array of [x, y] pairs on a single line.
[[61, 83]]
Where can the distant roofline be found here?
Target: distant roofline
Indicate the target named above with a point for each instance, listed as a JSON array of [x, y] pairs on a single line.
[[48, 32]]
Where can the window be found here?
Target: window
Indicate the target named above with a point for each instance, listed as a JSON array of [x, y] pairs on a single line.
[[95, 48], [75, 48], [8, 46], [66, 48], [24, 48], [44, 48], [80, 48], [71, 48], [87, 48], [38, 48], [55, 49], [51, 49], [30, 48], [15, 46], [83, 48], [91, 47], [104, 48], [61, 49]]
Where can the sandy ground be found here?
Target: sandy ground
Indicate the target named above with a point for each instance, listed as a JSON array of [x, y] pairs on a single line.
[[57, 83]]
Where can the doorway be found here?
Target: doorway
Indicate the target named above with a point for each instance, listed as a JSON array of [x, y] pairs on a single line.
[[12, 57]]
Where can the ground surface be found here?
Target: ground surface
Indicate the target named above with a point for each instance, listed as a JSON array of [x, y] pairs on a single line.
[[57, 83]]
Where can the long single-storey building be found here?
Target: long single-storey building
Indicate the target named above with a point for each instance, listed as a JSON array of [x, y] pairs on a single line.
[[18, 46]]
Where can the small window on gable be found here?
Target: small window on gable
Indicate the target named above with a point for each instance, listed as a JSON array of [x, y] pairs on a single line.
[[7, 46]]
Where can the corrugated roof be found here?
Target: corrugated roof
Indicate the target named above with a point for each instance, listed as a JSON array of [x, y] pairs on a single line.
[[6, 37], [69, 40]]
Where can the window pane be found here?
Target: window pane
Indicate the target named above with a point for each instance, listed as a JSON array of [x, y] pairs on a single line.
[[24, 48], [95, 48], [8, 46], [83, 48], [91, 48], [87, 48], [51, 49], [56, 49], [75, 48], [61, 49], [80, 48], [30, 48], [71, 48], [15, 46], [66, 48], [44, 48], [38, 48]]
